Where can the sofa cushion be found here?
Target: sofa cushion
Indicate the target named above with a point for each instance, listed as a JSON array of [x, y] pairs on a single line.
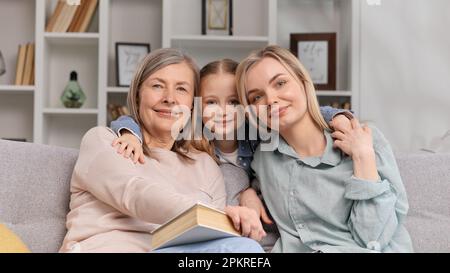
[[35, 192], [427, 182], [10, 242]]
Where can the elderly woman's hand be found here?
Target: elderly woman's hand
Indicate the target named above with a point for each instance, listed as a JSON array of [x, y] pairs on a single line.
[[246, 221], [129, 144]]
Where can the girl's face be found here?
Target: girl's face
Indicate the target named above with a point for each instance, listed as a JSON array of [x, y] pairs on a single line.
[[163, 94], [219, 102], [271, 85]]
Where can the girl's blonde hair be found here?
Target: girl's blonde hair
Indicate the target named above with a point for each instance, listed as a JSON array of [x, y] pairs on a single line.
[[293, 66], [153, 62], [227, 66]]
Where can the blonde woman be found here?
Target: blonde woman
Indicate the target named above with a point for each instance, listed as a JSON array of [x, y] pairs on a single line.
[[115, 204], [321, 199]]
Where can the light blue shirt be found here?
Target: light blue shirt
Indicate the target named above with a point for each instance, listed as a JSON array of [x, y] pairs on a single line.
[[319, 205]]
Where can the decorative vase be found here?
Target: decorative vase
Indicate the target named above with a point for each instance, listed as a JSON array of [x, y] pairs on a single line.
[[73, 96]]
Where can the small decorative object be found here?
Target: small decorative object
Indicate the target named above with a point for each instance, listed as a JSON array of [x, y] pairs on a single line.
[[73, 96], [217, 17], [128, 56], [317, 52], [335, 104], [346, 105], [2, 64]]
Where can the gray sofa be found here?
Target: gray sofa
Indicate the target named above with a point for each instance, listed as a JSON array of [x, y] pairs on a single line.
[[34, 195]]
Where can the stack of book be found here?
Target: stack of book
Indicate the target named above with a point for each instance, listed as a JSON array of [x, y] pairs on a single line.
[[115, 111], [25, 65], [72, 18]]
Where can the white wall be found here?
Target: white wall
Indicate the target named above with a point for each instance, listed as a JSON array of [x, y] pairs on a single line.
[[405, 70]]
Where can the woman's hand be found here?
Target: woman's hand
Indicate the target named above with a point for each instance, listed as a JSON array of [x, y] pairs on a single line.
[[246, 221], [358, 144], [249, 198], [129, 144], [356, 141]]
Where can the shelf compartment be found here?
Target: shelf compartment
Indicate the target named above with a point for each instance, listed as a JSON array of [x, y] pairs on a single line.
[[67, 130], [16, 115], [60, 61], [17, 26], [137, 21], [186, 17]]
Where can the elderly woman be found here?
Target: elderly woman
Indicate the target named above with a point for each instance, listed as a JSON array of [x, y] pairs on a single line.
[[115, 204], [320, 198]]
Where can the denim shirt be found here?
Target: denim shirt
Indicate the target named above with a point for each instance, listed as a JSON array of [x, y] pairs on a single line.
[[246, 148], [319, 205]]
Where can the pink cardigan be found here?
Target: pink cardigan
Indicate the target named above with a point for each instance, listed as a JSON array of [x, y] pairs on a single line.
[[115, 204]]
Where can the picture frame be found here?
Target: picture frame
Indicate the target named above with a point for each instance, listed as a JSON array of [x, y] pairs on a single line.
[[217, 17], [128, 56], [317, 52]]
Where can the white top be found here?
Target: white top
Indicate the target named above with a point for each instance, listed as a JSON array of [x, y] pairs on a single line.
[[229, 157]]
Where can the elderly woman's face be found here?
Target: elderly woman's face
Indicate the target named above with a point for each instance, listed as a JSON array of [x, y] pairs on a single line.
[[162, 95]]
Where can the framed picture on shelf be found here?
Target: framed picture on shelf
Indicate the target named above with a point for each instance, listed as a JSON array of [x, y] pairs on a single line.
[[317, 52], [217, 17], [128, 56]]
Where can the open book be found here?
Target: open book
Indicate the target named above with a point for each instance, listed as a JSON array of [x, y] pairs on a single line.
[[196, 224]]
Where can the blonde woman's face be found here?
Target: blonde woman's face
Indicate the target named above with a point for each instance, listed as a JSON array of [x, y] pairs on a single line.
[[271, 85], [163, 95], [219, 103]]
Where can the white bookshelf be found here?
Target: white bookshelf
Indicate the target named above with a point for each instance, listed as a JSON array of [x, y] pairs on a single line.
[[11, 89], [36, 113]]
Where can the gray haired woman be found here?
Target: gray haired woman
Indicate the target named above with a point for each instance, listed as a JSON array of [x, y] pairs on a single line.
[[115, 204]]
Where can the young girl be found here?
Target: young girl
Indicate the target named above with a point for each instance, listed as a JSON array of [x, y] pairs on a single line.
[[219, 95]]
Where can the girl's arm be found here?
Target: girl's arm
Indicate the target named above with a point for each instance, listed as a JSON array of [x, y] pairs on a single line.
[[126, 123], [380, 204], [329, 113], [129, 142]]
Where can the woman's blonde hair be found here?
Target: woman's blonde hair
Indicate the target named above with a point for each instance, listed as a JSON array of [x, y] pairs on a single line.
[[293, 66], [153, 62]]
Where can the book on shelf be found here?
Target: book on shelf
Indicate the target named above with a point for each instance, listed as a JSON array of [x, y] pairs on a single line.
[[29, 64], [55, 16], [20, 64], [25, 65], [67, 17], [86, 17], [76, 18], [72, 18], [196, 224]]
